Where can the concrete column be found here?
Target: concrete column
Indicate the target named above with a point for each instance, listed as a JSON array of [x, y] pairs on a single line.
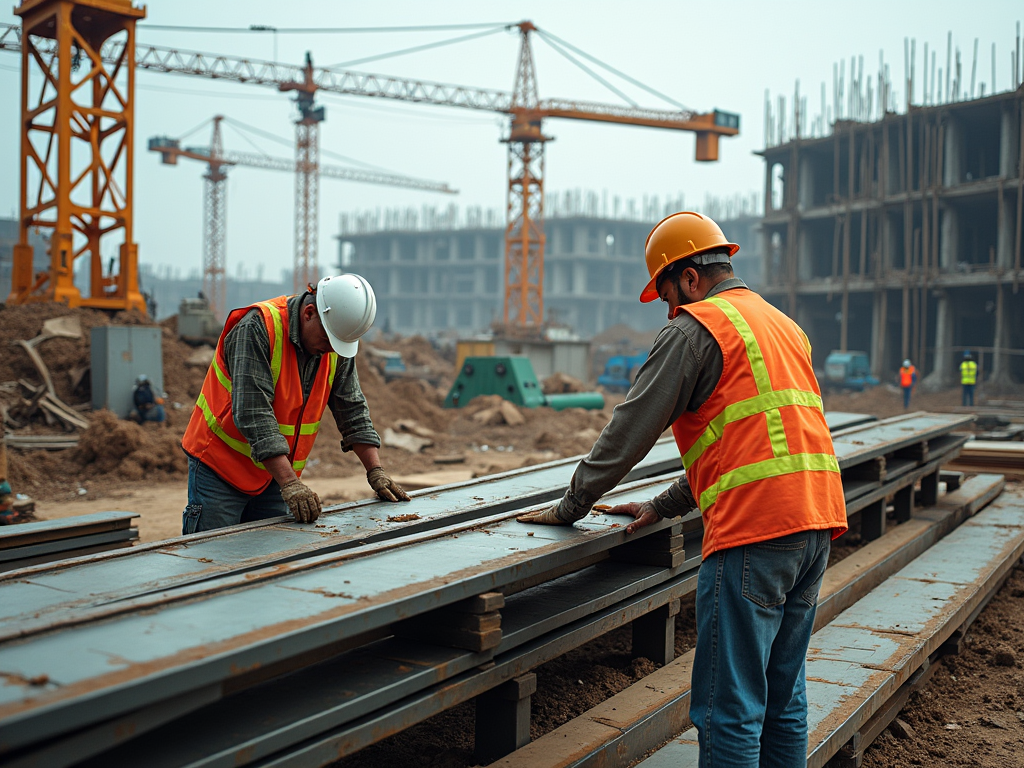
[[941, 376], [579, 279], [1000, 376], [804, 255], [879, 315], [949, 235], [1004, 236], [951, 164], [805, 184], [1007, 144]]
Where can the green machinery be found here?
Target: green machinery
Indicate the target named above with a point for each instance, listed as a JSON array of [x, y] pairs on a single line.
[[512, 378]]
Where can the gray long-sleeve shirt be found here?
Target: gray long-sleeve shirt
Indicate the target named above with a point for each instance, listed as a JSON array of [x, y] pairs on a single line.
[[247, 352], [680, 374]]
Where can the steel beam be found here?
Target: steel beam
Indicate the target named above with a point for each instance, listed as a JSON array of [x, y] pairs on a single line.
[[38, 597]]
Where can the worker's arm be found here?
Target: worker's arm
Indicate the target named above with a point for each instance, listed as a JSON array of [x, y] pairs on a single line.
[[664, 388], [247, 354], [351, 414]]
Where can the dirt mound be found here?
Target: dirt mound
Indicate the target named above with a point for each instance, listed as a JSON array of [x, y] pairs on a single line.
[[128, 451], [63, 355], [418, 352]]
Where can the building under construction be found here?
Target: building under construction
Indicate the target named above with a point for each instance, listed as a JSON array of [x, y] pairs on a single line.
[[438, 271], [901, 236]]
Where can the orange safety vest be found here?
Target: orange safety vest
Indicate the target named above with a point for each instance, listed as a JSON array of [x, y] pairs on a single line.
[[212, 436], [907, 376], [758, 454]]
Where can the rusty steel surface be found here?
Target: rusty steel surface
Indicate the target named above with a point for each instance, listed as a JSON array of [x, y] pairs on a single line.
[[858, 444], [379, 681], [36, 597], [86, 672], [106, 659]]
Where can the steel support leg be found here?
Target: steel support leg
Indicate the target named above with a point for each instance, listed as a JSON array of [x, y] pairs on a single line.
[[904, 503], [654, 634], [930, 489], [872, 521], [503, 718]]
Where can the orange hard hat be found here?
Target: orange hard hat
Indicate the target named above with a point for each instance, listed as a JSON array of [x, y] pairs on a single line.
[[680, 236]]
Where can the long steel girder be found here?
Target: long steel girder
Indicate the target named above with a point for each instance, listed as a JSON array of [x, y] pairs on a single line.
[[42, 597], [162, 647], [206, 635]]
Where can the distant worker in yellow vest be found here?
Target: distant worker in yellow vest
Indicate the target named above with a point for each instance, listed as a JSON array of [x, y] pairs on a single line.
[[968, 378], [907, 378], [278, 366], [732, 376]]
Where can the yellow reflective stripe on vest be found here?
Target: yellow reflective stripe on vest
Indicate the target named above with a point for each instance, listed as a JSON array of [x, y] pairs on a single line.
[[334, 369], [763, 470], [776, 430], [749, 407], [211, 421], [276, 346], [754, 356], [240, 445], [221, 376], [304, 429]]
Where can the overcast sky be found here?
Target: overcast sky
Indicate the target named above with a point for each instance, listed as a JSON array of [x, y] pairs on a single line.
[[723, 55]]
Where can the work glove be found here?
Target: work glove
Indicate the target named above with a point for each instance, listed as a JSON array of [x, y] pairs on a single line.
[[385, 488], [302, 501], [644, 512], [547, 516]]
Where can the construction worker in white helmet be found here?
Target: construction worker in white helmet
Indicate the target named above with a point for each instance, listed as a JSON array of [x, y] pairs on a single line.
[[278, 366]]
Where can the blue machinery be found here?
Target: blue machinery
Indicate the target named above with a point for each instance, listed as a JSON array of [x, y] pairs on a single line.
[[352, 630]]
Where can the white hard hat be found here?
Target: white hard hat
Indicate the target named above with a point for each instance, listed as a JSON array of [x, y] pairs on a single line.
[[906, 363], [347, 308]]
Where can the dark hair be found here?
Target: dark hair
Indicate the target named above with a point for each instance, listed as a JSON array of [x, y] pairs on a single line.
[[307, 298], [705, 271]]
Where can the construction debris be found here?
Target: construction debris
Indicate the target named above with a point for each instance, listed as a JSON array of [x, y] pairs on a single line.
[[405, 441]]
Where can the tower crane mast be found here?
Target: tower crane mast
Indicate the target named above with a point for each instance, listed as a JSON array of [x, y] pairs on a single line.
[[218, 160]]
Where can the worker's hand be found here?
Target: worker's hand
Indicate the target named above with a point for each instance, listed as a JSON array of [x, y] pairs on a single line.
[[547, 516], [385, 488], [302, 501], [644, 513]]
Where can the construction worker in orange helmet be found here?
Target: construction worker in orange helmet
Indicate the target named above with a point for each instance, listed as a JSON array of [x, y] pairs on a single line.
[[278, 366], [732, 376]]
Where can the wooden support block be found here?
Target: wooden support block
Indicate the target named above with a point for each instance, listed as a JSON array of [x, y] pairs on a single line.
[[953, 480], [451, 636], [671, 559], [918, 452], [904, 503], [930, 489], [873, 469], [461, 625], [485, 603], [503, 718], [872, 521], [654, 634]]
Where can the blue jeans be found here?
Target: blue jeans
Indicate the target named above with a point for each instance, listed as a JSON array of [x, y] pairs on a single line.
[[156, 413], [213, 503], [968, 394], [755, 611], [906, 397]]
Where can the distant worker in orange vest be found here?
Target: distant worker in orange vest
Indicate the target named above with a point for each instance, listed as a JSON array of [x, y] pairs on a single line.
[[968, 378], [732, 376], [278, 366], [908, 378]]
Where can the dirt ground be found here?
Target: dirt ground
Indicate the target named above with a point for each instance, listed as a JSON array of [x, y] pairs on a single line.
[[972, 712]]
